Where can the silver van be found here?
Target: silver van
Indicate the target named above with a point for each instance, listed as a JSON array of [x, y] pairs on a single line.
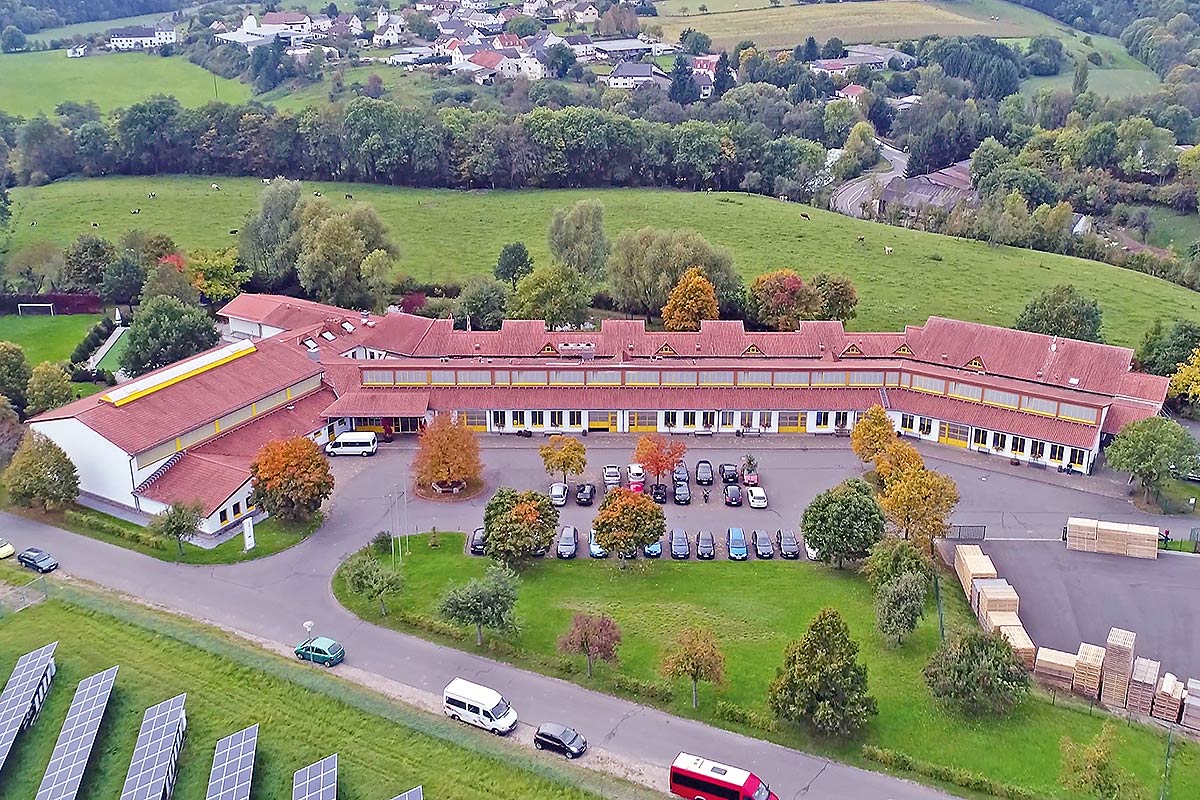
[[479, 706], [353, 443]]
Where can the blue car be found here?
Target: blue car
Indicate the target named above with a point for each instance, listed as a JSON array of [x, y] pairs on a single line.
[[653, 550], [594, 549], [739, 550]]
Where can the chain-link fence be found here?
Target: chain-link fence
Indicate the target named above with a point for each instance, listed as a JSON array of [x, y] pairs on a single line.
[[18, 598]]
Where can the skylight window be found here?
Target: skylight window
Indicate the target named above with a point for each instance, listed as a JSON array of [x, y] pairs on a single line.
[[309, 343], [327, 336], [347, 327]]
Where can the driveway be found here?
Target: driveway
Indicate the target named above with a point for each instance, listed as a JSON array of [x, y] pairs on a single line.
[[849, 197]]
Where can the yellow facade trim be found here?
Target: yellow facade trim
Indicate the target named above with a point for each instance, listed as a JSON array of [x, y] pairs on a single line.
[[183, 376]]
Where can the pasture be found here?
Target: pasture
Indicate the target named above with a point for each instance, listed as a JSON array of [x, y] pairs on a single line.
[[95, 26], [407, 88], [1118, 74], [34, 83], [448, 236]]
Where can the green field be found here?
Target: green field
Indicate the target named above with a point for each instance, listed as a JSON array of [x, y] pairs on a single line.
[[1118, 75], [408, 88], [449, 235], [760, 608], [46, 338], [304, 715], [96, 26], [32, 83], [1170, 229], [112, 359]]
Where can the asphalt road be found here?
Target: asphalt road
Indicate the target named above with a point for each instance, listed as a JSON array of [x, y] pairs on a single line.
[[272, 598], [849, 197]]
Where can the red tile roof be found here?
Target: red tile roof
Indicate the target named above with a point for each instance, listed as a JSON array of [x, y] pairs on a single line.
[[488, 59], [1123, 412], [852, 90], [280, 311], [379, 403]]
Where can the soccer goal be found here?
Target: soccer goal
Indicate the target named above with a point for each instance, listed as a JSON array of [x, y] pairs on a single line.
[[35, 309]]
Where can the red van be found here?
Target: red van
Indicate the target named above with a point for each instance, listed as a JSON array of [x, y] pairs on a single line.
[[698, 778]]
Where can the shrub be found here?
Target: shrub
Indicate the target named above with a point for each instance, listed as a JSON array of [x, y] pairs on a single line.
[[894, 760], [731, 712], [382, 542], [110, 527], [650, 690]]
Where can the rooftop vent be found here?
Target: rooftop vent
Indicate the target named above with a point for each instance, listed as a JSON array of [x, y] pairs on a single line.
[[370, 323], [309, 343], [1073, 381], [477, 345], [291, 407]]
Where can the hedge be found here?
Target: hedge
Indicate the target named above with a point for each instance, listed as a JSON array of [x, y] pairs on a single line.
[[959, 777], [102, 524], [745, 716]]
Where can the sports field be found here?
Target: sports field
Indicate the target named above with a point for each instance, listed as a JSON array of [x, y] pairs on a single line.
[[33, 83], [46, 338], [449, 235]]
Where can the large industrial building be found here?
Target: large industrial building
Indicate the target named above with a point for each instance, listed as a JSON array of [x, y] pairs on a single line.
[[293, 367]]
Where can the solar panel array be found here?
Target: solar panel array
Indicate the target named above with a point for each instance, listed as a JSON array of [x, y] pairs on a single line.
[[153, 766], [412, 794], [74, 745], [316, 781], [19, 693], [233, 766]]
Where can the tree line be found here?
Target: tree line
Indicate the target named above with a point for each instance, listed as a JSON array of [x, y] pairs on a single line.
[[31, 16]]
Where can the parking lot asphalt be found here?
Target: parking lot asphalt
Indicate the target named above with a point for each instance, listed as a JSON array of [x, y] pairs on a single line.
[[1068, 597]]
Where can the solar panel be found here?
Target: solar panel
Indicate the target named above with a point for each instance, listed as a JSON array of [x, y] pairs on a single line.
[[20, 693], [233, 766], [74, 745], [412, 794], [152, 770], [316, 781]]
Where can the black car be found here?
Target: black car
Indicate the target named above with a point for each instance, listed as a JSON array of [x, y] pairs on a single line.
[[729, 473], [680, 474], [478, 542], [789, 545], [763, 546], [37, 560], [706, 546], [560, 739], [585, 493], [568, 542], [683, 494], [658, 492], [652, 550], [681, 548], [704, 473], [733, 495]]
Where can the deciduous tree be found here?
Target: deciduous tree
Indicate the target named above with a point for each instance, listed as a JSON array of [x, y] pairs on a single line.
[[178, 523], [84, 262], [163, 332], [49, 387], [11, 431], [978, 673], [821, 683], [577, 238], [646, 263], [1185, 382], [514, 263], [1090, 770], [1151, 448], [693, 299], [40, 473], [291, 478], [593, 636], [487, 602], [696, 656], [217, 273], [872, 433], [838, 297], [483, 303], [564, 455], [658, 454], [14, 374], [900, 604], [896, 459], [919, 503], [170, 278], [781, 300], [843, 523], [518, 524], [891, 557], [1166, 347], [268, 243], [1062, 311], [447, 452], [556, 294], [123, 280], [367, 577], [627, 521]]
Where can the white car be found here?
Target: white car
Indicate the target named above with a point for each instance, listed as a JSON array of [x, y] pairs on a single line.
[[810, 551], [558, 494], [756, 497], [637, 474], [612, 476]]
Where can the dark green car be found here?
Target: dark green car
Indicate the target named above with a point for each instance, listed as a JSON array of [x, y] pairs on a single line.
[[321, 650]]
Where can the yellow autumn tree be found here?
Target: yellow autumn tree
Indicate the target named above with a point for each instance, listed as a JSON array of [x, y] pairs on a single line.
[[1185, 382], [692, 300], [898, 457], [564, 455], [447, 452], [918, 502], [872, 433]]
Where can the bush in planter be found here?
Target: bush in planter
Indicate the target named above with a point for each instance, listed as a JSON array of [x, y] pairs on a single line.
[[382, 542]]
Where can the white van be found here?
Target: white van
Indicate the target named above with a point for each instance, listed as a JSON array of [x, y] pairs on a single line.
[[479, 706], [353, 443]]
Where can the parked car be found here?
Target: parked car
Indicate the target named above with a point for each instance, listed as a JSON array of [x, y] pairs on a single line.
[[810, 551], [789, 545], [756, 497], [353, 443], [594, 548], [750, 477], [478, 542], [683, 494], [652, 550], [636, 473], [559, 492], [37, 560], [704, 472], [763, 546], [6, 548], [638, 487], [321, 650], [735, 540], [680, 473], [477, 705], [706, 545], [658, 492], [568, 542], [681, 548], [733, 495], [585, 493], [612, 476], [729, 473], [560, 739]]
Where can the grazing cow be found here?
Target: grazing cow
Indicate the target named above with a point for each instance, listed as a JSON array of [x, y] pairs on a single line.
[[215, 188], [151, 196], [316, 194], [266, 180], [349, 196], [887, 251], [233, 232], [783, 198], [33, 224], [135, 211], [862, 239], [804, 216], [95, 224]]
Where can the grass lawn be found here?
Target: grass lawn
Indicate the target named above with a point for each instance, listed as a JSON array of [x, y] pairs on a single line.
[[304, 715], [46, 338], [1118, 75], [112, 359], [447, 235], [406, 88], [760, 608], [96, 26], [1169, 228], [32, 83]]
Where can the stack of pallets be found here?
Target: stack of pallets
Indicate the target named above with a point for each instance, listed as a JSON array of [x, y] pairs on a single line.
[[1000, 619], [1055, 668], [1142, 684], [1110, 537], [1081, 534], [970, 563], [993, 598], [1118, 668], [978, 584], [1141, 541], [1191, 705], [1168, 698], [1088, 665], [1021, 644]]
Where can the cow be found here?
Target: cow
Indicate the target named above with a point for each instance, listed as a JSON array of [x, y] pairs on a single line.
[[266, 180], [316, 194], [862, 239], [33, 224], [804, 216], [95, 224], [233, 232], [887, 251], [135, 211], [151, 195], [215, 188], [349, 196]]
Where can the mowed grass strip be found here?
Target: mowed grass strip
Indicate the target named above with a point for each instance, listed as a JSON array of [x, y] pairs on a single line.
[[46, 338], [756, 608], [448, 236], [35, 83], [378, 757]]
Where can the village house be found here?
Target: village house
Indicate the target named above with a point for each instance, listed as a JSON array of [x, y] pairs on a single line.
[[633, 75], [296, 21], [141, 37], [389, 35], [581, 45], [853, 92]]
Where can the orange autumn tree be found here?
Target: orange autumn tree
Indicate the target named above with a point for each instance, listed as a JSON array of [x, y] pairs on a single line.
[[291, 478], [658, 454], [693, 299], [447, 452]]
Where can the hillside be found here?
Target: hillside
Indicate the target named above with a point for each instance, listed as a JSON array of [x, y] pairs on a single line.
[[447, 236]]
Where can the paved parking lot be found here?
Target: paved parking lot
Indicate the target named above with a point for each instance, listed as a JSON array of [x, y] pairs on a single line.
[[1068, 597]]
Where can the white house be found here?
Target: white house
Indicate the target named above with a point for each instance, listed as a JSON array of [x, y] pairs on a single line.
[[78, 51], [389, 35], [581, 45], [632, 75], [296, 21], [584, 13], [321, 22], [141, 37], [351, 21]]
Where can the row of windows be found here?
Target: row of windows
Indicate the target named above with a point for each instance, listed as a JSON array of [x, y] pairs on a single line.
[[1000, 442], [520, 419]]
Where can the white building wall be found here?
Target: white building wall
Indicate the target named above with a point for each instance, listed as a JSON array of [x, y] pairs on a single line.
[[105, 470]]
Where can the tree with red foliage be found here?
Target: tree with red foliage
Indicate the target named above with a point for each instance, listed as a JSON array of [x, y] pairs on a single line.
[[448, 452], [291, 478], [593, 635], [658, 454], [782, 300]]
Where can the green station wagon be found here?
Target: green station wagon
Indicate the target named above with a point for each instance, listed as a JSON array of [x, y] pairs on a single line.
[[321, 650]]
